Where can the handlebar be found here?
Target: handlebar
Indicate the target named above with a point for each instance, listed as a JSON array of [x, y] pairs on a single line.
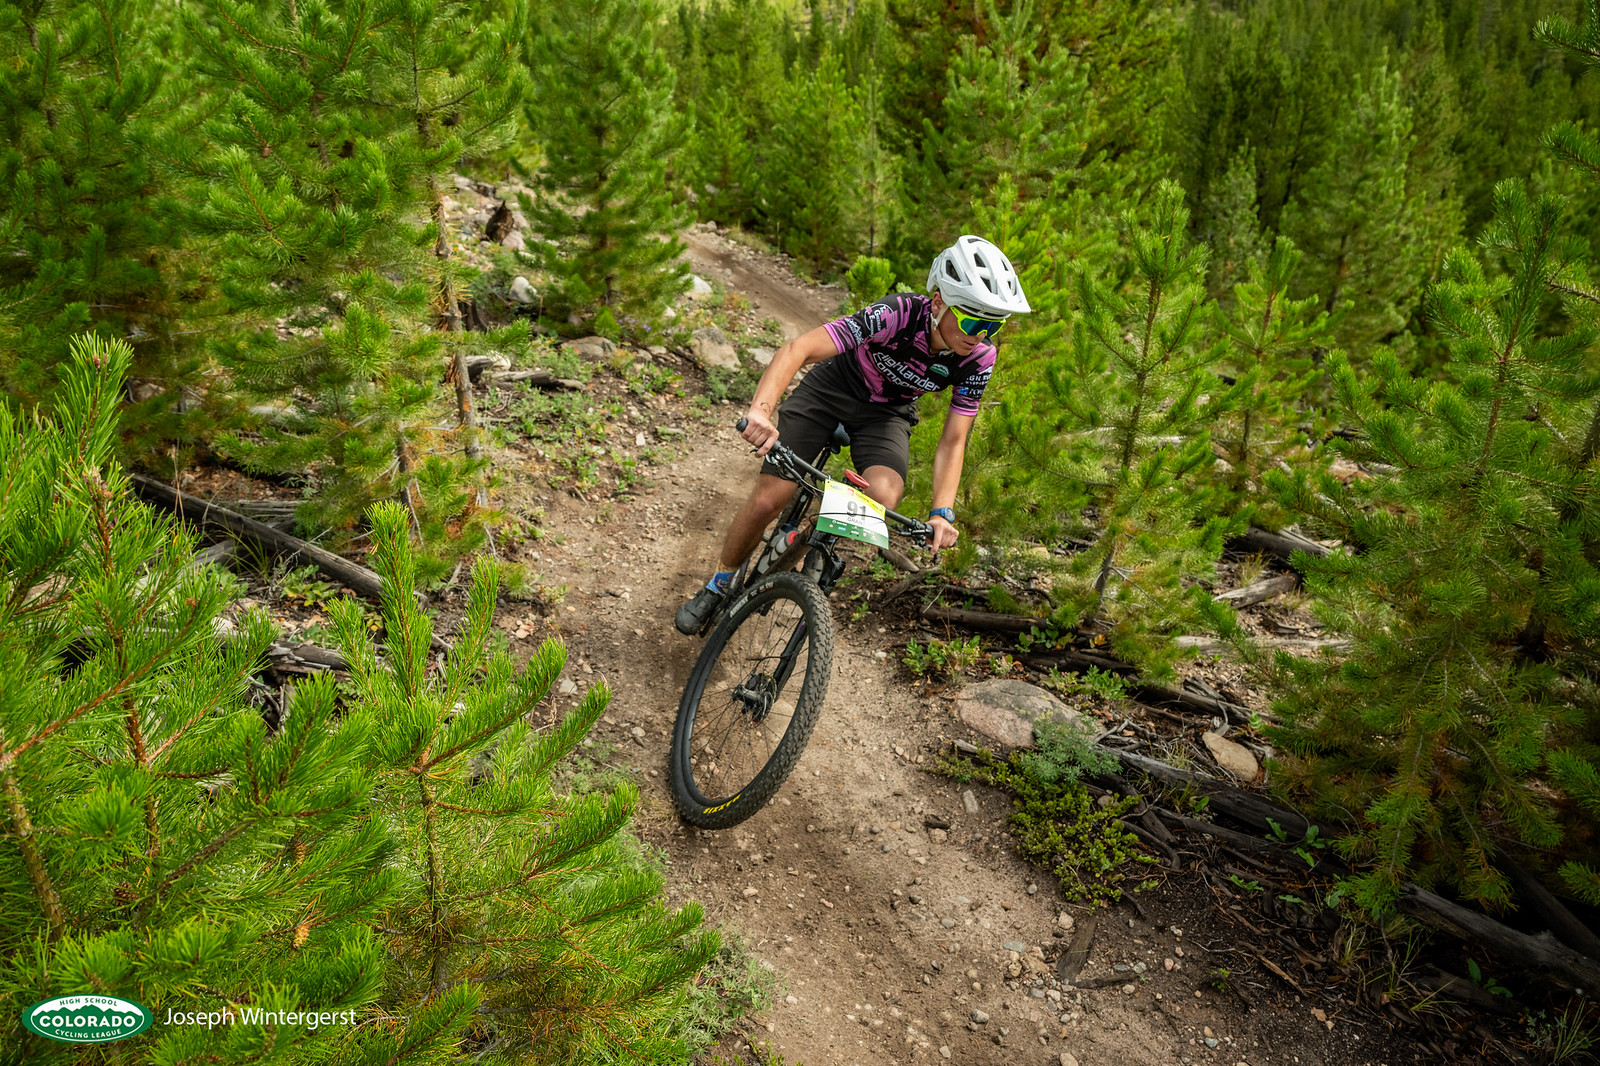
[[785, 457]]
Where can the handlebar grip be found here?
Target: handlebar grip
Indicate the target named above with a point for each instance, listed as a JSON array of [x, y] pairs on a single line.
[[739, 425]]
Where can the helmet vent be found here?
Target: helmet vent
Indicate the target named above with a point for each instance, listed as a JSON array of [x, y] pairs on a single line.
[[977, 277]]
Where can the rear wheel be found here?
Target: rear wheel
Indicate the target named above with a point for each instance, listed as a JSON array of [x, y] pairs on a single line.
[[752, 699]]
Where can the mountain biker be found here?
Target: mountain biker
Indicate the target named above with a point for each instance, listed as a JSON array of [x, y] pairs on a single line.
[[873, 366]]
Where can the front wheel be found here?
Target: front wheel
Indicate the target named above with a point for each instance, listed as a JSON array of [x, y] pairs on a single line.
[[752, 699]]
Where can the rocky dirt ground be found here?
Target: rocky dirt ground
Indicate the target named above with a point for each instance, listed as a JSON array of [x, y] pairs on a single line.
[[888, 902]]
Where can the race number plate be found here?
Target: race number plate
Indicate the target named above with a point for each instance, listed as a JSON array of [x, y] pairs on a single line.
[[851, 513]]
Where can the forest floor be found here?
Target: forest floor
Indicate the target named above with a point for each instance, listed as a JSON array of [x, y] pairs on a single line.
[[887, 941]]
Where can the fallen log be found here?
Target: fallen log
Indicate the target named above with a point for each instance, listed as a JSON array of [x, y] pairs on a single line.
[[260, 508], [1280, 545], [1259, 591], [1541, 954], [1278, 853], [1217, 648], [1156, 844], [898, 559], [1223, 798], [896, 590], [1207, 703], [1557, 918], [986, 620], [541, 378], [215, 555], [1076, 660], [351, 575], [1450, 986], [305, 658]]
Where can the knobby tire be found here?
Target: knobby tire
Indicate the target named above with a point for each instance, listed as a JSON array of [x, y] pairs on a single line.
[[740, 657]]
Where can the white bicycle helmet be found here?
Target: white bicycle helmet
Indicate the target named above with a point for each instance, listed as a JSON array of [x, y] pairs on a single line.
[[976, 277]]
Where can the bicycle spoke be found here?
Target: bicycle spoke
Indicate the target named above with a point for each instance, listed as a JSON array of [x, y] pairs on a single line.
[[743, 715]]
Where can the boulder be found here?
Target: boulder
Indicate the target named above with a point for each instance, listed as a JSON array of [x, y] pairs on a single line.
[[762, 355], [711, 347], [596, 349], [1234, 758], [522, 290], [514, 241], [699, 288], [1007, 710]]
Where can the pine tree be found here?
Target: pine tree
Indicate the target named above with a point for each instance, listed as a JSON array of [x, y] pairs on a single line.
[[601, 113], [812, 205], [1272, 339], [394, 846], [875, 165], [325, 206], [84, 242], [1006, 111], [1232, 226], [1365, 234], [163, 841], [719, 161], [1473, 597], [1005, 491], [1121, 414], [533, 904]]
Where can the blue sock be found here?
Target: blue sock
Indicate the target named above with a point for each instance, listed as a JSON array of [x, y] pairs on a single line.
[[722, 580]]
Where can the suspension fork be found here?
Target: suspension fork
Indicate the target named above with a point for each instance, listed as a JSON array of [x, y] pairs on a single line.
[[791, 652]]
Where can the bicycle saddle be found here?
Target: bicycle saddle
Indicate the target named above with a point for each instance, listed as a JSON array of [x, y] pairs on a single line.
[[841, 439]]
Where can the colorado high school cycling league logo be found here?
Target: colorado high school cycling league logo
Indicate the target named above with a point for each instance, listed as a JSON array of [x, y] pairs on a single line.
[[86, 1019]]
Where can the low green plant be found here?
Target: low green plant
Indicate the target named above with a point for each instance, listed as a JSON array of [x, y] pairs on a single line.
[[1093, 682], [862, 607], [734, 985], [1484, 981], [1058, 825], [301, 584], [868, 279], [735, 385], [942, 656], [883, 569], [1064, 754], [1567, 1037], [1043, 638], [646, 379]]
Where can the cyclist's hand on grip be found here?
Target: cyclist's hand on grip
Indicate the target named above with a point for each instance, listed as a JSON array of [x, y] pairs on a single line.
[[758, 429], [944, 534]]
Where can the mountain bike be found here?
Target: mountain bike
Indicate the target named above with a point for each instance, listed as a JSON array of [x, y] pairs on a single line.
[[757, 689]]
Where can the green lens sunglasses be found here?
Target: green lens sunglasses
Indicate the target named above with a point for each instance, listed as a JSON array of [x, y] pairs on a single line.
[[975, 327]]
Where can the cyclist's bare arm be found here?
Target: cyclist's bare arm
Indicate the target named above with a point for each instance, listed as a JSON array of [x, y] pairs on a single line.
[[947, 461], [808, 348]]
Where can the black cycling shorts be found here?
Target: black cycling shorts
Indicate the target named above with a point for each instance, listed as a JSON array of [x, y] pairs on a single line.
[[880, 434]]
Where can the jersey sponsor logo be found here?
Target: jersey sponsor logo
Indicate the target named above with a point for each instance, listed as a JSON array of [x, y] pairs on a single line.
[[940, 369], [901, 372], [866, 323]]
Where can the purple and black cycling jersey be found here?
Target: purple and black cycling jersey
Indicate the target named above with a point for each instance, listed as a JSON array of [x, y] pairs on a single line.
[[887, 354]]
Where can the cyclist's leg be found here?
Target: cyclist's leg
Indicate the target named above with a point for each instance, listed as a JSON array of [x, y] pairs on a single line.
[[881, 451], [804, 424], [766, 499], [884, 485]]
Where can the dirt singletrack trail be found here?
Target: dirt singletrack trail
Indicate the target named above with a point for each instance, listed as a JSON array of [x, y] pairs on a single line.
[[890, 938], [772, 291]]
